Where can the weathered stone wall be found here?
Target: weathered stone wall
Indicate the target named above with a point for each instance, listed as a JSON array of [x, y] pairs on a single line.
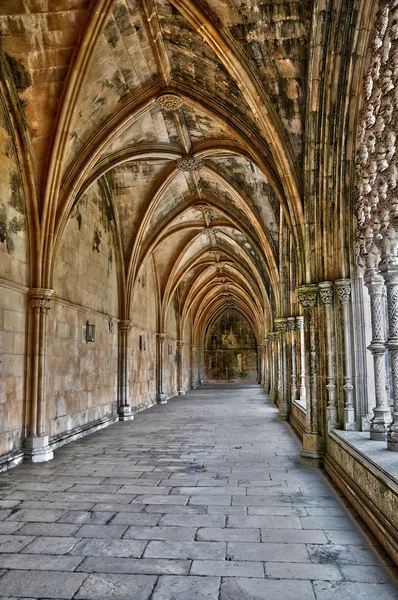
[[14, 277], [142, 339], [82, 376], [231, 349]]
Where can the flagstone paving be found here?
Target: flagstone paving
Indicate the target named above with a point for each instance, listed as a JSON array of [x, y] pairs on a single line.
[[199, 499]]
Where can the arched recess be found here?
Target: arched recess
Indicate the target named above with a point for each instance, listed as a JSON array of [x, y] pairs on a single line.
[[230, 348]]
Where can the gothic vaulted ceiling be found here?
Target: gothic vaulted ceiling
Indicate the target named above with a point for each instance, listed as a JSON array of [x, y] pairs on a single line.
[[188, 115]]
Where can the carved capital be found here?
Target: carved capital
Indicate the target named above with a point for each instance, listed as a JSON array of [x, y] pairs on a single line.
[[265, 342], [125, 326], [170, 102], [189, 163], [180, 343], [281, 325], [160, 337], [300, 323], [343, 290], [326, 292], [291, 323], [307, 295], [41, 299], [271, 336]]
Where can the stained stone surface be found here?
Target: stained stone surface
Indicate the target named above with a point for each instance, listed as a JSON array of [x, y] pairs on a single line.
[[180, 503]]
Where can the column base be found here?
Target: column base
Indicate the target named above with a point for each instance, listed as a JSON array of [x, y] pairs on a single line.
[[312, 454], [201, 382], [379, 424], [283, 414], [193, 385], [349, 419], [37, 449], [392, 435], [181, 393], [125, 413], [161, 398], [331, 413]]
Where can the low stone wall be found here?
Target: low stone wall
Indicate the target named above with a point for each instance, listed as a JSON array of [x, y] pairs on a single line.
[[367, 485], [297, 418]]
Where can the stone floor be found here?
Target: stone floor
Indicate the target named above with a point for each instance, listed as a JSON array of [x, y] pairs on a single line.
[[201, 499]]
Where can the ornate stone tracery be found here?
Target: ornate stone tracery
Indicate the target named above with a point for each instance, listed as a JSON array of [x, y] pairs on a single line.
[[170, 102]]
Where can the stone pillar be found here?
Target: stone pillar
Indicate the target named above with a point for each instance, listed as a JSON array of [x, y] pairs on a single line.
[[160, 395], [291, 327], [266, 376], [382, 414], [344, 291], [313, 446], [201, 366], [390, 274], [326, 294], [36, 445], [180, 390], [300, 328], [193, 367], [260, 369], [283, 400], [271, 338], [124, 410]]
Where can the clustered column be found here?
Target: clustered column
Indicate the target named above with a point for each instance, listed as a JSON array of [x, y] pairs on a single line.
[[37, 447], [160, 395], [180, 346], [125, 412]]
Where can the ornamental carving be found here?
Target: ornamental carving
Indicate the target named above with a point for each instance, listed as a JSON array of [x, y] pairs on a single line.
[[160, 337], [281, 325], [125, 326], [189, 163], [343, 290], [291, 323], [170, 102], [307, 295], [41, 299], [376, 159], [300, 323], [326, 292]]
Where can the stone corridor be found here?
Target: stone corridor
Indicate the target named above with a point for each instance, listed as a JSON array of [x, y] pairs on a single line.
[[202, 498]]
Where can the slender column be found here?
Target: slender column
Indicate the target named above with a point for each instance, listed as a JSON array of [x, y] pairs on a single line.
[[390, 274], [277, 367], [291, 326], [37, 447], [266, 376], [193, 367], [284, 408], [326, 294], [271, 338], [201, 366], [160, 396], [382, 414], [259, 364], [300, 327], [313, 447], [344, 291], [124, 410], [180, 346]]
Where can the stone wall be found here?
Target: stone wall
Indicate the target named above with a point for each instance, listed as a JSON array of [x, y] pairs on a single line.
[[14, 279], [82, 376]]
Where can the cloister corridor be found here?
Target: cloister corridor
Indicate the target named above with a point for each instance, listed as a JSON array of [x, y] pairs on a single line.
[[202, 498]]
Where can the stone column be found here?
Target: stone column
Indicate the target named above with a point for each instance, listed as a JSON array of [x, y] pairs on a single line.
[[124, 410], [260, 369], [266, 377], [344, 291], [291, 327], [390, 274], [300, 328], [160, 395], [326, 294], [201, 366], [283, 400], [271, 338], [180, 390], [313, 446], [382, 414], [193, 367], [36, 444]]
